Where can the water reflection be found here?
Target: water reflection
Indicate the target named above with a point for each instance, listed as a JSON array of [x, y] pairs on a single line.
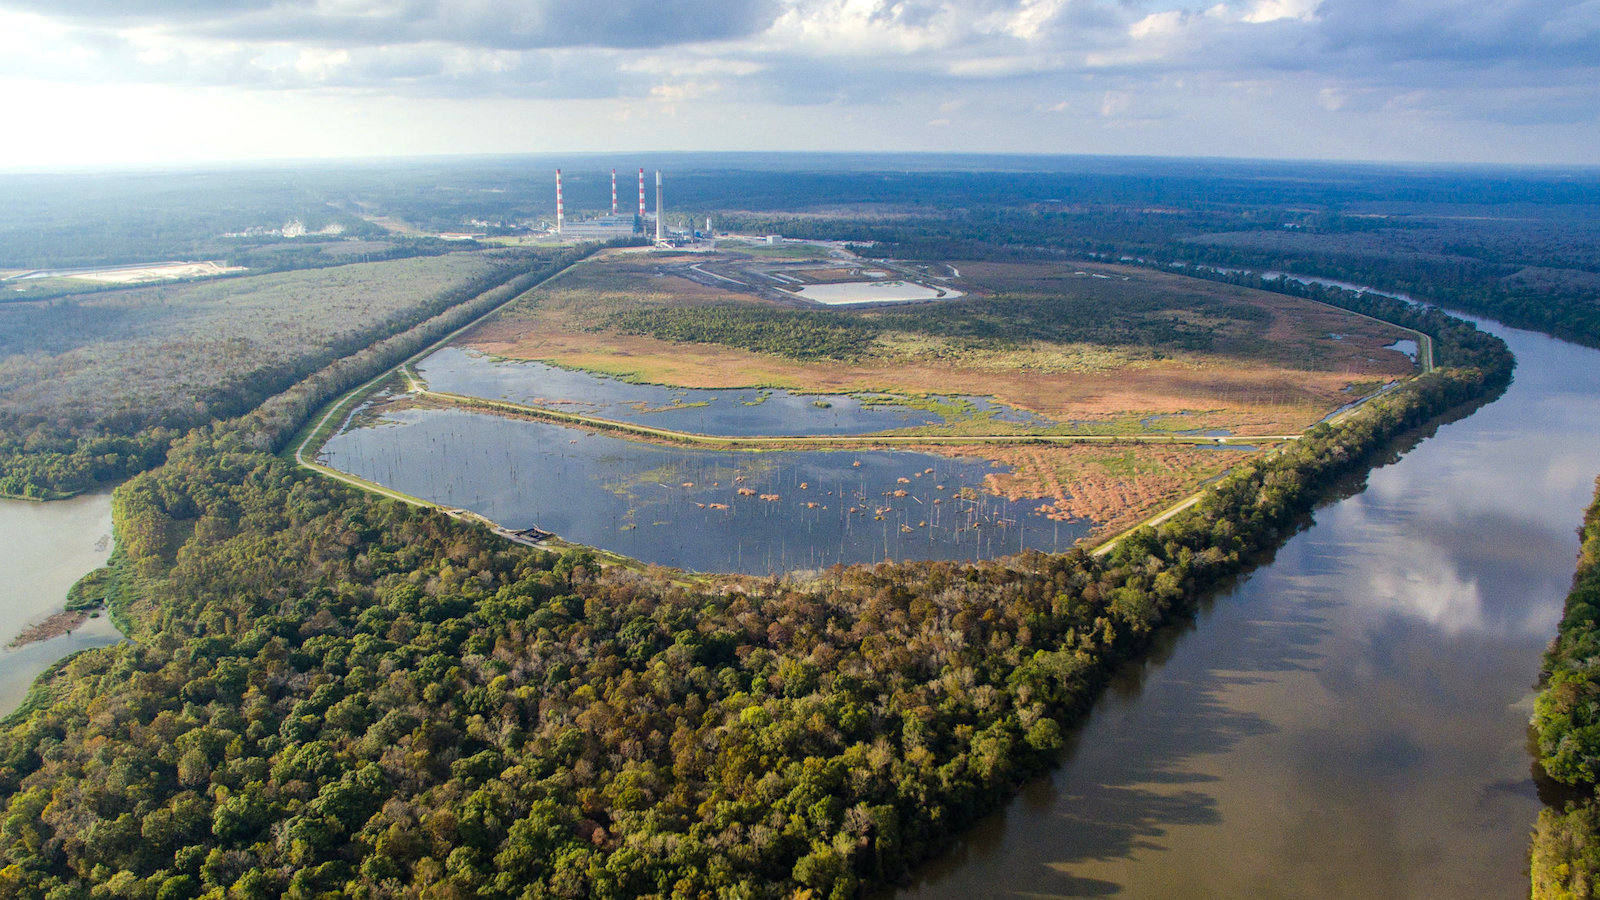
[[725, 411], [1350, 721], [699, 509]]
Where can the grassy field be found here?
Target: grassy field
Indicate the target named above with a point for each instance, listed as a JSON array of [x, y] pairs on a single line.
[[1129, 351], [171, 354], [1116, 486]]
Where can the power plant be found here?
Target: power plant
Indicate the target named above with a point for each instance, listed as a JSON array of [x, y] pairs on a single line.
[[612, 226]]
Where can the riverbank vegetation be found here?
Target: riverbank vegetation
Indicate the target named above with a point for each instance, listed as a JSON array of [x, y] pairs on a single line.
[[331, 693], [1566, 726]]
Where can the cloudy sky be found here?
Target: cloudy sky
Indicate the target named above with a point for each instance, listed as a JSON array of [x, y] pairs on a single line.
[[106, 82]]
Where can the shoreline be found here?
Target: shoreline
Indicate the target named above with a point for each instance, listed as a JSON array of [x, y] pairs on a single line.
[[57, 624]]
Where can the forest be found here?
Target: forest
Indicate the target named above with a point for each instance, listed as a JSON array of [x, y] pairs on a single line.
[[331, 694], [1566, 727]]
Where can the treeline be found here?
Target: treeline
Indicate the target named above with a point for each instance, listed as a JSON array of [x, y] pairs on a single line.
[[41, 463], [1147, 319], [1456, 341], [304, 253], [797, 334], [260, 258], [1567, 311], [336, 694], [1566, 726], [56, 456], [1143, 319], [274, 422], [1491, 276]]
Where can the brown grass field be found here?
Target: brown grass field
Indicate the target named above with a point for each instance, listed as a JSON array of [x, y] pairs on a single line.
[[1275, 371], [1113, 388], [1117, 486]]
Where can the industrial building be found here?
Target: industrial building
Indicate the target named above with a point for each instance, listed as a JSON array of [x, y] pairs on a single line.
[[613, 224]]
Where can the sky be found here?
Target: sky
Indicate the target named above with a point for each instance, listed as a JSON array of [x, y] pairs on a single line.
[[112, 83]]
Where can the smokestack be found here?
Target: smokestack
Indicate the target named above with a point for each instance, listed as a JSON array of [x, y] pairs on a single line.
[[641, 197], [658, 205], [613, 192], [561, 213]]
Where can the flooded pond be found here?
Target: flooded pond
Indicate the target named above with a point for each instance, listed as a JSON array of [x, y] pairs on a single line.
[[727, 412], [46, 548], [1351, 720], [1406, 346], [705, 510]]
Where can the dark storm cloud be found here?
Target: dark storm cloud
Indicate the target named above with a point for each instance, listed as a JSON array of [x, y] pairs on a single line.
[[529, 24]]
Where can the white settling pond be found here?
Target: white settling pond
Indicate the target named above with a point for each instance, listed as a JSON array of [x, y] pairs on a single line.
[[849, 293]]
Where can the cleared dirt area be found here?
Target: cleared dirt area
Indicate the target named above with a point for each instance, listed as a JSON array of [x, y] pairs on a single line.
[[167, 272], [1111, 387]]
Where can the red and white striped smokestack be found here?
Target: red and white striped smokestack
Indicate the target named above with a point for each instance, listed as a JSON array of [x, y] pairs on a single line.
[[561, 212], [613, 192], [641, 195]]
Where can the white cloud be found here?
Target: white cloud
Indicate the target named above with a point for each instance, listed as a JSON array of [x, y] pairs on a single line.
[[1274, 10], [1158, 25], [1115, 103], [1501, 79], [319, 64]]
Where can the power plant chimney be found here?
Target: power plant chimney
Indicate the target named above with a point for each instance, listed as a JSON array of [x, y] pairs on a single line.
[[561, 213], [613, 192], [641, 197], [658, 206]]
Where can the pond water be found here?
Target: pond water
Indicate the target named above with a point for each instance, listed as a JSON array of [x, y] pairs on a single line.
[[849, 293], [1351, 720], [704, 510], [1406, 346], [44, 549], [725, 412]]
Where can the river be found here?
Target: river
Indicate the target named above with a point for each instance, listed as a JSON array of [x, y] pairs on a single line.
[[44, 549], [1351, 719]]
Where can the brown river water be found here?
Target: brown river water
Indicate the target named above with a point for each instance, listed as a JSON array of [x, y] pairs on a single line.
[[44, 549], [1350, 720]]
